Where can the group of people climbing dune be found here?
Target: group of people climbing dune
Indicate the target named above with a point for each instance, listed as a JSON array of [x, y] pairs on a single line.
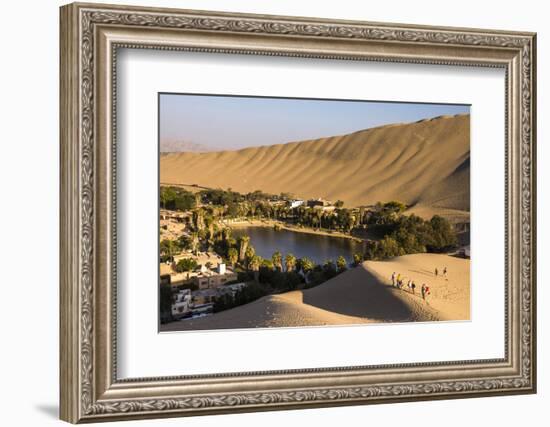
[[398, 281]]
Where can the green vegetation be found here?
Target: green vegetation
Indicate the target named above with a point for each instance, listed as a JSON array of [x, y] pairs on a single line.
[[228, 204], [392, 232], [290, 262], [306, 265], [169, 248], [186, 265], [341, 263], [277, 280], [243, 246], [321, 273], [401, 234], [176, 199], [232, 256], [277, 260], [249, 293], [254, 263], [385, 228]]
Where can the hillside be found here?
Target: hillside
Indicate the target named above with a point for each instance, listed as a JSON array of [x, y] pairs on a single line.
[[424, 163]]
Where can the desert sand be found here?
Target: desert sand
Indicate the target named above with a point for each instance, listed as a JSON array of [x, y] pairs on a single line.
[[360, 295], [425, 164]]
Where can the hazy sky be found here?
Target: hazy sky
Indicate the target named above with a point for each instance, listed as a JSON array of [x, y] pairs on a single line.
[[231, 122]]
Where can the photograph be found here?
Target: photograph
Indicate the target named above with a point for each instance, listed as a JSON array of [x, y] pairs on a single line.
[[297, 212]]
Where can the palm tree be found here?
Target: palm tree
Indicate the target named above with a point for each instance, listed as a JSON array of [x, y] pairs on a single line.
[[350, 223], [315, 220], [245, 240], [306, 265], [250, 252], [277, 259], [198, 219], [319, 218], [267, 264], [341, 263], [226, 233], [290, 262], [163, 198], [168, 247], [255, 263], [232, 256], [194, 242]]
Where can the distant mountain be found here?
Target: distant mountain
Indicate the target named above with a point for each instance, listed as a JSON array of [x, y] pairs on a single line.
[[178, 146], [424, 163]]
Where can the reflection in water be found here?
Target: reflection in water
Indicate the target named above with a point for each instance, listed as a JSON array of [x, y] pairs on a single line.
[[267, 240]]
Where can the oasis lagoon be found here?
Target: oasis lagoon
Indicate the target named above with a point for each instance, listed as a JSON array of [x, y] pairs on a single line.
[[318, 248]]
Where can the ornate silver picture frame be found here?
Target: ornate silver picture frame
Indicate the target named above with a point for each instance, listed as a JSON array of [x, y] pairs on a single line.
[[91, 390]]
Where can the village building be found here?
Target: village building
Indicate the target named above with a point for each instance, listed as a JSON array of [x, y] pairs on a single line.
[[231, 289], [181, 305], [295, 203], [318, 202], [214, 278], [210, 273], [204, 296], [324, 208], [202, 258]]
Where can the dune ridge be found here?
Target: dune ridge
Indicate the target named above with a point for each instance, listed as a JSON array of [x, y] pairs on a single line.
[[425, 163]]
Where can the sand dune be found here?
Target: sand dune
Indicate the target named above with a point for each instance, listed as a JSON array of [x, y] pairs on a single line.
[[424, 163], [360, 295], [450, 296]]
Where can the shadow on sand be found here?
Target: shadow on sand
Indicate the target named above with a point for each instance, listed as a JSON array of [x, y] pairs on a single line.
[[359, 293]]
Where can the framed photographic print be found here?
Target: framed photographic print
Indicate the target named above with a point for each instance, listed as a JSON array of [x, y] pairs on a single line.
[[265, 212]]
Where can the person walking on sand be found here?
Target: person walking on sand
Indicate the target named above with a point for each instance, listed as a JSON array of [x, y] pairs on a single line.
[[413, 287], [423, 290], [409, 284], [436, 272], [393, 279], [427, 292], [445, 272]]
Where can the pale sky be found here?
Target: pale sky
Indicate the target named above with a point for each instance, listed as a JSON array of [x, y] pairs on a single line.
[[233, 122]]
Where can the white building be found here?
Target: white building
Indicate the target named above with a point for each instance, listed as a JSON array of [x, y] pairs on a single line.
[[207, 278], [182, 303], [295, 203]]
